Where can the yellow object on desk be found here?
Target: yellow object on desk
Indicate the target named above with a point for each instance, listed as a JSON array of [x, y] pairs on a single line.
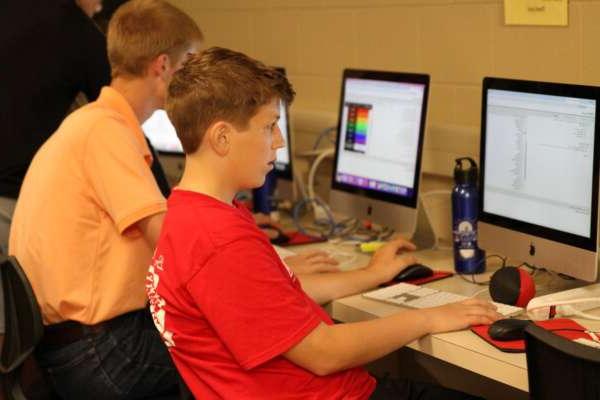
[[370, 247]]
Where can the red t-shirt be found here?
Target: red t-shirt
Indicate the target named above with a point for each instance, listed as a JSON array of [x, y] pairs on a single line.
[[227, 308]]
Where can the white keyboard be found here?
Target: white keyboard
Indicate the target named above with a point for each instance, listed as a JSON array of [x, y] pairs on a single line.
[[413, 296]]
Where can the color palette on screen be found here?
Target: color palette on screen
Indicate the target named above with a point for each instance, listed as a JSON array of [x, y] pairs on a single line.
[[357, 127]]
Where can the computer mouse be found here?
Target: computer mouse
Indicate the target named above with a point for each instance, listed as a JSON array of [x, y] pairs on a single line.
[[414, 271], [508, 329], [275, 234]]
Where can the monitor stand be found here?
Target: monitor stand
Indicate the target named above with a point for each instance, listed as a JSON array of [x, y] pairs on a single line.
[[424, 236]]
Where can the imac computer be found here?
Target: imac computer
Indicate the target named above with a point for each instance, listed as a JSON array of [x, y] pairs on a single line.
[[539, 174], [377, 165]]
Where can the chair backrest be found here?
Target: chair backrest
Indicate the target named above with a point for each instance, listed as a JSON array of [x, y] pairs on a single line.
[[559, 368], [23, 319]]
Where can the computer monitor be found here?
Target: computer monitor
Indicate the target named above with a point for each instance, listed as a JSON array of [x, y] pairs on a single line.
[[283, 164], [539, 174], [377, 165], [161, 132]]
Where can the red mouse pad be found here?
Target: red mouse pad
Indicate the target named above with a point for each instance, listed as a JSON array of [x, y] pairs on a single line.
[[297, 238], [562, 326]]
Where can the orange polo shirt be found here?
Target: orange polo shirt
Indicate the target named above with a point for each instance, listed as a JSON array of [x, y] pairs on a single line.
[[74, 228]]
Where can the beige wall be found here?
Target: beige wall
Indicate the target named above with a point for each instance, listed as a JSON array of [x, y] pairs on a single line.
[[457, 42]]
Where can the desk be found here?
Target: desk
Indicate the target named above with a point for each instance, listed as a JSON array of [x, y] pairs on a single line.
[[463, 349]]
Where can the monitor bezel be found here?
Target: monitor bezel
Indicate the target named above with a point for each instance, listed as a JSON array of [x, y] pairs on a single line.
[[553, 89], [288, 172], [402, 77]]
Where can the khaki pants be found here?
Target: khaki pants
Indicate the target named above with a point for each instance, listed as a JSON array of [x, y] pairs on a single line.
[[7, 207]]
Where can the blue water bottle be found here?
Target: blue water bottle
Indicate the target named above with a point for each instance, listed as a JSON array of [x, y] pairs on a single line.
[[468, 258]]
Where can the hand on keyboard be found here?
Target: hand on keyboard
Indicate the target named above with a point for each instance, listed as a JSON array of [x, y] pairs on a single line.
[[448, 311], [461, 315], [311, 262]]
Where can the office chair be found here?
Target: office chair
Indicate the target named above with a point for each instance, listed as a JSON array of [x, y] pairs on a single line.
[[24, 330], [559, 368]]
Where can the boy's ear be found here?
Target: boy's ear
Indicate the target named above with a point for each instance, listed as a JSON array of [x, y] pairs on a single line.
[[218, 136], [159, 66]]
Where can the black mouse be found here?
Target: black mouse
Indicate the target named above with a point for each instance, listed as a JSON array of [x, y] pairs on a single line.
[[414, 271], [508, 329], [278, 237]]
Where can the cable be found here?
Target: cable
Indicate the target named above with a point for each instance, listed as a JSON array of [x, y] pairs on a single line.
[[313, 170], [324, 133], [473, 281], [301, 205], [300, 184]]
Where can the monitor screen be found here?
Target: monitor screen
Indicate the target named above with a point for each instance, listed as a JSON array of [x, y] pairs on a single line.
[[161, 133], [283, 162], [283, 165], [380, 135], [539, 174], [539, 166]]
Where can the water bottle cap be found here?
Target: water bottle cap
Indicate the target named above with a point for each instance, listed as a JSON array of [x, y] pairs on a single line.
[[464, 176]]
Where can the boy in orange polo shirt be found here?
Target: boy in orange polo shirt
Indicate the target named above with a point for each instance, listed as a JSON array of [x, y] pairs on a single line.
[[238, 323], [89, 213]]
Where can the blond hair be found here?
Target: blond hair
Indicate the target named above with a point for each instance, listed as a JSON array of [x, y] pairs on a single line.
[[221, 84], [141, 30]]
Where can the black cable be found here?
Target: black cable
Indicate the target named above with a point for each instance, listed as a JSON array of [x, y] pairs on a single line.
[[473, 281]]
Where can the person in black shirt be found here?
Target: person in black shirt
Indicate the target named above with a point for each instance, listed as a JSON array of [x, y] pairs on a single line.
[[55, 51], [52, 51]]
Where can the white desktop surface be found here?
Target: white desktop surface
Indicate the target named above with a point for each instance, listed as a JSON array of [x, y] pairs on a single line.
[[463, 348]]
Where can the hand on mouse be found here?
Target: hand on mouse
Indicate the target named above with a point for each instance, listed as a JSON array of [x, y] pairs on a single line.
[[389, 260], [461, 315], [311, 262]]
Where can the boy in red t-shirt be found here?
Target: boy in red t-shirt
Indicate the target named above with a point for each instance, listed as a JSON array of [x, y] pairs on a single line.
[[237, 322]]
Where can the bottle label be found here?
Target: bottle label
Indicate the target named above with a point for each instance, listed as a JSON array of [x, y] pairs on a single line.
[[465, 238]]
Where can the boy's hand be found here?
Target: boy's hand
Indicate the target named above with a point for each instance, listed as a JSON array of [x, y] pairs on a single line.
[[461, 315], [311, 262], [387, 261]]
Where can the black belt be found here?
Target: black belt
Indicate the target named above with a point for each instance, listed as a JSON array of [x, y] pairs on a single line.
[[68, 332]]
